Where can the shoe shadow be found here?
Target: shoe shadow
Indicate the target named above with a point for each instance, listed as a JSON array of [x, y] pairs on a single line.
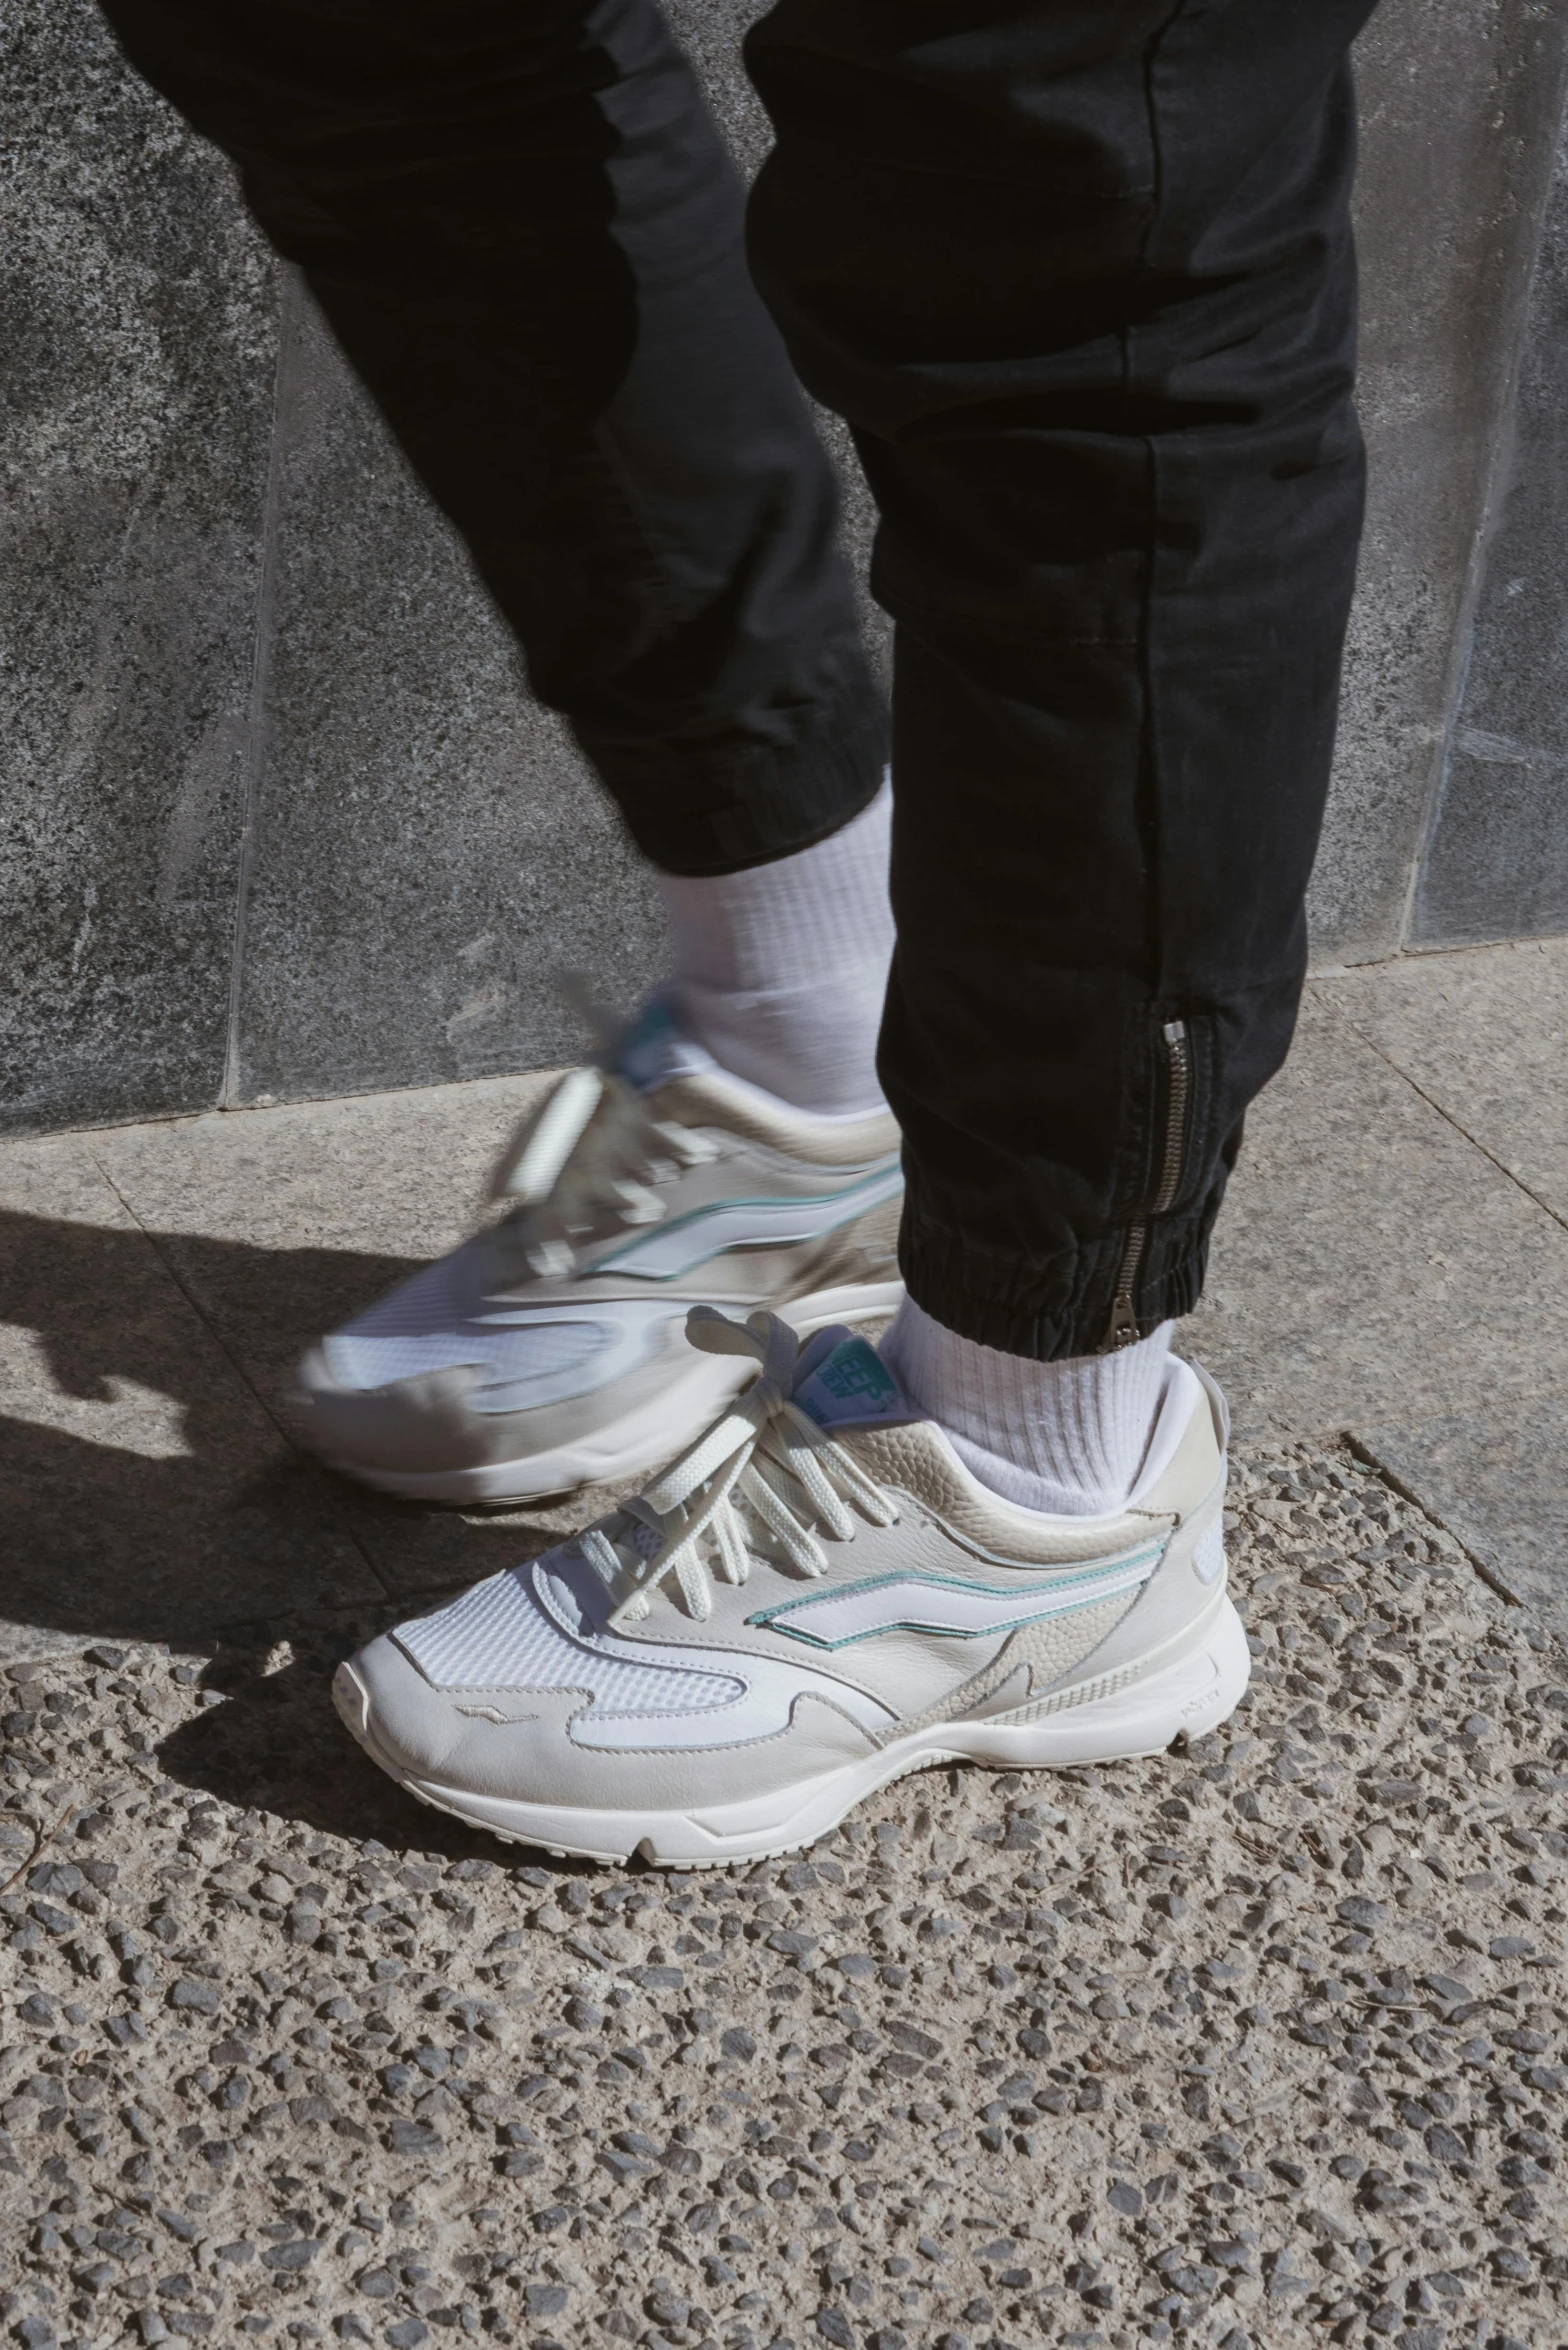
[[149, 1493], [148, 1487], [275, 1744]]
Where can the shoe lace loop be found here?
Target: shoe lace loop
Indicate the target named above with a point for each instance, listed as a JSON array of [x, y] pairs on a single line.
[[765, 1470], [591, 1150]]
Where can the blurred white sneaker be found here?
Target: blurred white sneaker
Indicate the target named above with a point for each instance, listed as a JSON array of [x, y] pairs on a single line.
[[549, 1350], [815, 1599]]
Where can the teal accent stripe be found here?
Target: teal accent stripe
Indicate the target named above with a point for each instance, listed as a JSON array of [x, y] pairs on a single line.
[[1084, 1589], [883, 1183]]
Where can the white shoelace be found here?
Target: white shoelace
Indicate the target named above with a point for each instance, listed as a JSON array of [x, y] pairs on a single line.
[[591, 1150], [765, 1473]]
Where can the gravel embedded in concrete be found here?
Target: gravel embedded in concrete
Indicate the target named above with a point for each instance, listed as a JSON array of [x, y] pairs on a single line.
[[1254, 2044]]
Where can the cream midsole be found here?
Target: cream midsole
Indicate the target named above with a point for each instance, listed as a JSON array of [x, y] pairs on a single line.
[[1194, 1682]]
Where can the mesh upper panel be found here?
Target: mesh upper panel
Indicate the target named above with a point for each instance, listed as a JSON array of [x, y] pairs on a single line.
[[427, 1324], [499, 1636]]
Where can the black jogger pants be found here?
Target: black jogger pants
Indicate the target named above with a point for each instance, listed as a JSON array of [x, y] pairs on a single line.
[[1079, 274]]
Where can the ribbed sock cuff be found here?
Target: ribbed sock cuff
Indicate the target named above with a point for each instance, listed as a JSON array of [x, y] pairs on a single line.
[[780, 970], [1067, 1437]]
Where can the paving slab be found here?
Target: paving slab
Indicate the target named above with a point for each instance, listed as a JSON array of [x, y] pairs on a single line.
[[283, 1221], [1390, 1262], [1484, 1035], [1260, 2042], [1376, 1271]]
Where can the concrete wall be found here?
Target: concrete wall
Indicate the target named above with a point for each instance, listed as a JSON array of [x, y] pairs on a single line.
[[279, 818], [1461, 107], [1495, 857]]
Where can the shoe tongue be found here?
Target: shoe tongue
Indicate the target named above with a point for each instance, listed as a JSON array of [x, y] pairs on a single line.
[[842, 1382], [654, 1049]]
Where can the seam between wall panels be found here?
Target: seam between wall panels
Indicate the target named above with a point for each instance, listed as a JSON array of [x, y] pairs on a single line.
[[290, 311], [1497, 480]]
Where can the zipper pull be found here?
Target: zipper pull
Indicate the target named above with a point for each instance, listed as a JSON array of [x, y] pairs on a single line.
[[1122, 1329]]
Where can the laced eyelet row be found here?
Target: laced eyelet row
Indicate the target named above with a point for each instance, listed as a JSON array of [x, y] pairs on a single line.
[[732, 1496], [591, 1150]]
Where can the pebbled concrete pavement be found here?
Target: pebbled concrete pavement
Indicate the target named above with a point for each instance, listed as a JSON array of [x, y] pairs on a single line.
[[1255, 2044]]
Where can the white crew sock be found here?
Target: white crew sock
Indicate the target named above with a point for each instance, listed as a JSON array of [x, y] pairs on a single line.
[[780, 971], [1068, 1438]]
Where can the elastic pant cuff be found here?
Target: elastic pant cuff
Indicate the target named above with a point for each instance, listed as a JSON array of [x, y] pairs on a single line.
[[1062, 1306], [703, 816]]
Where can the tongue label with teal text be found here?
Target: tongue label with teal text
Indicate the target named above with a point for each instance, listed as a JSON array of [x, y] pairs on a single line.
[[851, 1387], [654, 1049]]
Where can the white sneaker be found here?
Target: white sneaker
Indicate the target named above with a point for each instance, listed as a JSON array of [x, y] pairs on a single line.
[[817, 1598], [548, 1351]]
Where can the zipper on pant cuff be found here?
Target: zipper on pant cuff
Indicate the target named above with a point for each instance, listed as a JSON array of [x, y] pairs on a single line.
[[1122, 1329]]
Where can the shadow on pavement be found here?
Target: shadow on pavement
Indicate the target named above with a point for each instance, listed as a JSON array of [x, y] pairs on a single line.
[[276, 1744], [155, 1496]]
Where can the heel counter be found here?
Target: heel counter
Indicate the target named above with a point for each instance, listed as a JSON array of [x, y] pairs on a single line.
[[1188, 1580]]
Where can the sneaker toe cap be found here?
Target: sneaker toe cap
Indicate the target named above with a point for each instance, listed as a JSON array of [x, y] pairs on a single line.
[[396, 1713], [508, 1743], [421, 1423]]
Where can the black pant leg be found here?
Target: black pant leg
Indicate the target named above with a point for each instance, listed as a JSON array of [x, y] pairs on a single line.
[[1080, 275], [527, 235]]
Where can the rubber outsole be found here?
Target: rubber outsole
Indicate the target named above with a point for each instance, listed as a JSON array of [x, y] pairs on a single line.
[[1197, 1685], [626, 1448]]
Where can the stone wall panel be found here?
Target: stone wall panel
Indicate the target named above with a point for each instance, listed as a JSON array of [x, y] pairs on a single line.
[[430, 852], [1459, 101], [135, 409], [1496, 865], [277, 814]]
